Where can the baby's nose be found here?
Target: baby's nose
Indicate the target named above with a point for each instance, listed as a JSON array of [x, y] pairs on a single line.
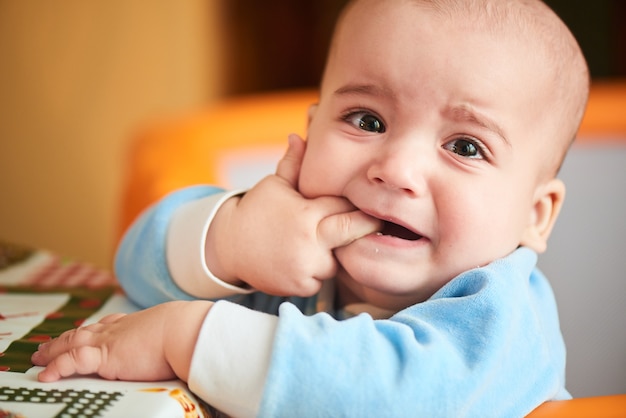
[[400, 169]]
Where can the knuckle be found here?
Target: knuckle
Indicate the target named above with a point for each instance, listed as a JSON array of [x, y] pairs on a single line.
[[80, 337], [67, 337], [83, 359], [76, 356], [345, 224]]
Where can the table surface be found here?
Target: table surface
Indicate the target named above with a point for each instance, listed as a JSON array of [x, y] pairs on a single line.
[[42, 295]]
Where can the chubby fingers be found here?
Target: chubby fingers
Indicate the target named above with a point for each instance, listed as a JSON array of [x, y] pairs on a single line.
[[73, 352], [81, 360], [289, 166], [341, 229]]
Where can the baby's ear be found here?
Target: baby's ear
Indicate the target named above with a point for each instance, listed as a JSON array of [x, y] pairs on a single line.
[[547, 205]]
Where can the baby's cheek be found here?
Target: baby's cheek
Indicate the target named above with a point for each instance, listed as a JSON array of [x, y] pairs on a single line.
[[305, 188], [313, 181]]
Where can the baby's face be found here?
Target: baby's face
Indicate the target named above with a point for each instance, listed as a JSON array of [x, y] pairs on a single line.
[[436, 130]]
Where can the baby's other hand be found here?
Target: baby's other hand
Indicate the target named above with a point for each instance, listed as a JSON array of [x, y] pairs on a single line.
[[149, 345]]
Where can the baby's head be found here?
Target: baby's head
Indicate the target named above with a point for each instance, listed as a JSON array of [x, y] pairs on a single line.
[[448, 120], [534, 31]]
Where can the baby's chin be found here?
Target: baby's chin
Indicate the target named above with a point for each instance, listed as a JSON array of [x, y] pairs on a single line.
[[371, 288]]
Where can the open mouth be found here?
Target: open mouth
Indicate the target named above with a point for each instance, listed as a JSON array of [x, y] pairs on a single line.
[[398, 231]]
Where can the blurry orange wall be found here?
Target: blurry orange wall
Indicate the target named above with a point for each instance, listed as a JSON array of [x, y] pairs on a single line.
[[76, 78]]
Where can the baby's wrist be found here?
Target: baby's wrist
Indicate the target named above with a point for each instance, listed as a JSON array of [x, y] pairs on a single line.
[[220, 248], [183, 322]]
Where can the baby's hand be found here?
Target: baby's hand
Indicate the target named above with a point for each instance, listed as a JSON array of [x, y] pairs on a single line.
[[278, 241], [154, 344]]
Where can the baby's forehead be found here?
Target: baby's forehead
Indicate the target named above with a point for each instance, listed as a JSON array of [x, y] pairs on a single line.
[[533, 29], [530, 20], [523, 30]]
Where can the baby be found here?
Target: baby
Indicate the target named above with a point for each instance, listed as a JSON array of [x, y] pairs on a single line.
[[388, 267]]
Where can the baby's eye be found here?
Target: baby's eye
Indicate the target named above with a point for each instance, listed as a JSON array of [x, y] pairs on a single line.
[[466, 147], [365, 121]]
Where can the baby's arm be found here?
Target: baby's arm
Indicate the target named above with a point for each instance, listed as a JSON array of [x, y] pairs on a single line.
[[168, 255], [142, 262], [154, 344]]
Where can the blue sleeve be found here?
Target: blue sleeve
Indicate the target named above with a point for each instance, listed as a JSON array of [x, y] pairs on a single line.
[[488, 344], [140, 260]]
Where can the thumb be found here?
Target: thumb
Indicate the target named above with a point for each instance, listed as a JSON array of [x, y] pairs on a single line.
[[343, 228], [289, 166]]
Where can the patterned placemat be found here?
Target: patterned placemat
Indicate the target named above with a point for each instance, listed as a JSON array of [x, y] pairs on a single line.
[[73, 403]]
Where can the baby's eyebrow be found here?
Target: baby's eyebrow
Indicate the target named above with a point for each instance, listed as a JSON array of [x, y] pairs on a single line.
[[467, 113], [364, 89]]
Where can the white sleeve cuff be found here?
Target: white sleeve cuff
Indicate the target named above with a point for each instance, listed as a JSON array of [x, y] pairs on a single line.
[[231, 358], [185, 248]]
